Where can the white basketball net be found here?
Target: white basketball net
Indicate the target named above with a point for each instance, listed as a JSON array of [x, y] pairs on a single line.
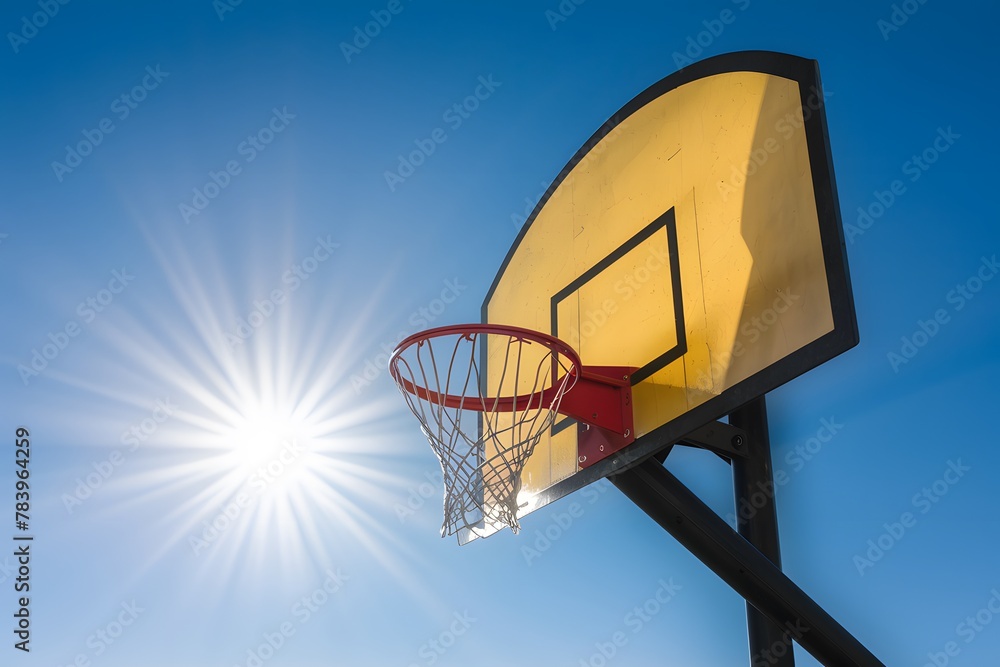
[[482, 442]]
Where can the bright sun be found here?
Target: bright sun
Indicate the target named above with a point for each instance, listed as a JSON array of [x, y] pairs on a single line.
[[263, 435], [271, 453], [270, 449]]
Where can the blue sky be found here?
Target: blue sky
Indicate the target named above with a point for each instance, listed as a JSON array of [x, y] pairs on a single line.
[[147, 387]]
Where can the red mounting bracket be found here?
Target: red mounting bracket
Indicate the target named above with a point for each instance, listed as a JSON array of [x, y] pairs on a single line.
[[601, 401]]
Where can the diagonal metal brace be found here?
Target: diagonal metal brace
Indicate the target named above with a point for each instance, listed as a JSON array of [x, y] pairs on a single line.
[[750, 573]]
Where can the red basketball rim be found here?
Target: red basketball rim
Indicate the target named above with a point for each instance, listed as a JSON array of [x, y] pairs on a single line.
[[475, 402]]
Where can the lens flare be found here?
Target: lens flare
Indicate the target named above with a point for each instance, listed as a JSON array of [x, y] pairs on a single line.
[[272, 465]]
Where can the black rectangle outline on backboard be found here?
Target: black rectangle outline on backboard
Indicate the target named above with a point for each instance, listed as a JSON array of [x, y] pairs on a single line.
[[844, 336], [667, 222]]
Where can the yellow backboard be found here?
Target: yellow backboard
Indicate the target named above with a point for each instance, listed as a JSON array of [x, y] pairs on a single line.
[[697, 237]]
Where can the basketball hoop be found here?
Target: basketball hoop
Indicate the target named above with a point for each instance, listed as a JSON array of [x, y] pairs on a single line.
[[485, 394], [482, 425]]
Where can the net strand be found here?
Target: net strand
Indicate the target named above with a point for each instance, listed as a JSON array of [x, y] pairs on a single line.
[[481, 447]]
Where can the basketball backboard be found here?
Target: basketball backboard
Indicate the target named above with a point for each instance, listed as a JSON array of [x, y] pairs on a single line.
[[695, 237]]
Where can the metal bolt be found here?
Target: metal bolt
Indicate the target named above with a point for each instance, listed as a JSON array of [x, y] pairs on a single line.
[[737, 441]]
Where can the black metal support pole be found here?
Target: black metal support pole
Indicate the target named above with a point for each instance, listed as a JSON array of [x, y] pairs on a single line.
[[702, 532], [757, 520]]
